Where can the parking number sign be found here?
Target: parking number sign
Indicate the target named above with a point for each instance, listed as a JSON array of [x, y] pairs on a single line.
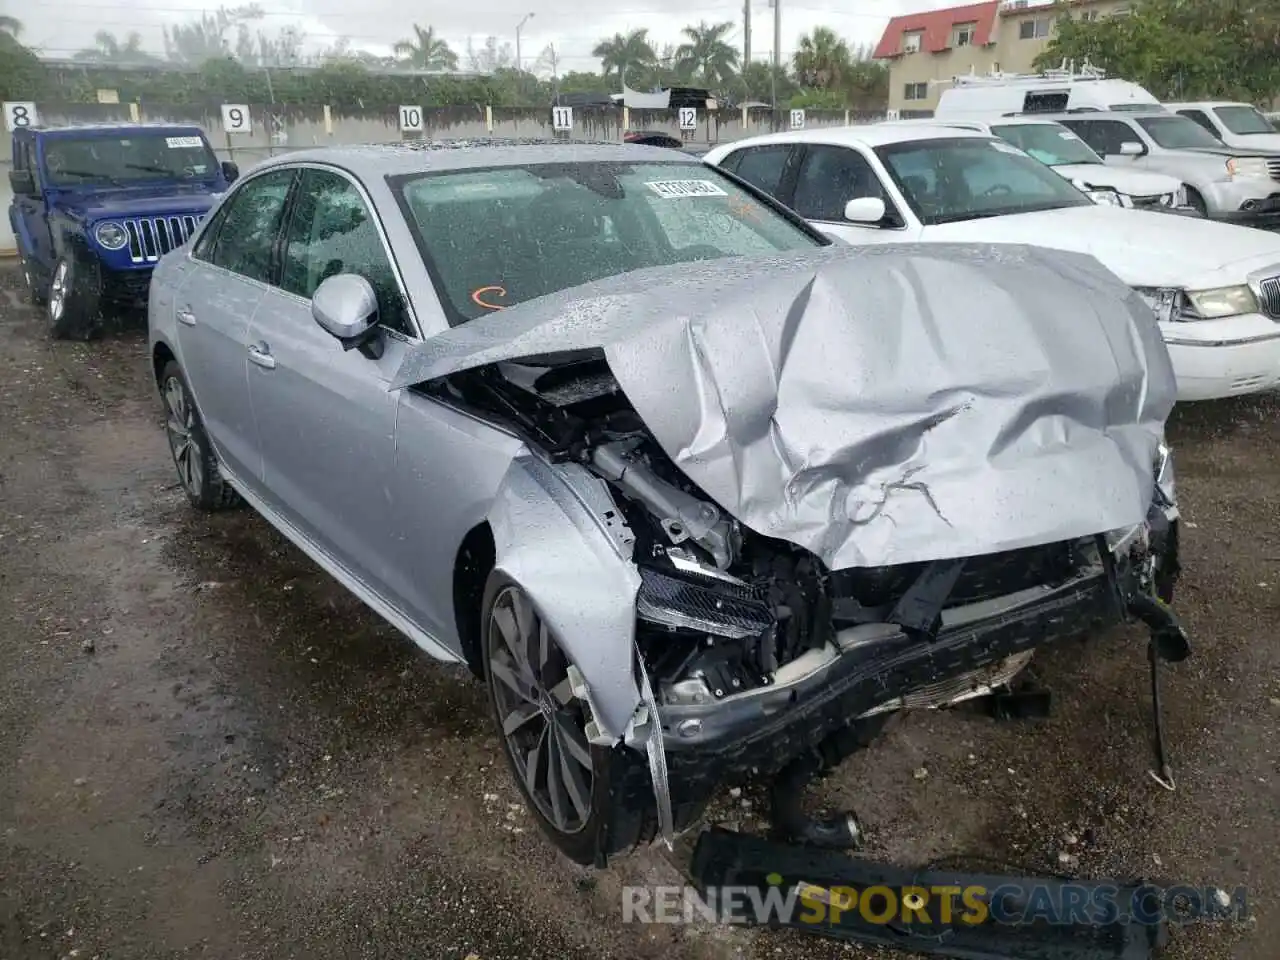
[[235, 118], [561, 118], [411, 119], [797, 119], [688, 118], [19, 114]]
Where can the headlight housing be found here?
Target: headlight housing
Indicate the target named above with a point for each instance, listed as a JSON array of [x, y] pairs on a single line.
[[1166, 484], [1109, 198], [110, 236], [1248, 168], [1171, 303]]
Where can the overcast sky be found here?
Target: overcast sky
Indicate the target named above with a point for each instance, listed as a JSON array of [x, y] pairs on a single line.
[[61, 27]]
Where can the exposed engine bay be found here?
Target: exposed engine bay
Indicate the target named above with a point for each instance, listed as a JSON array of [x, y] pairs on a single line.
[[722, 609]]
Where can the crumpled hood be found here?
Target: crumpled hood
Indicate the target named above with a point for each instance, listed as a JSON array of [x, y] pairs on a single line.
[[1143, 248], [140, 202], [1134, 183], [874, 405]]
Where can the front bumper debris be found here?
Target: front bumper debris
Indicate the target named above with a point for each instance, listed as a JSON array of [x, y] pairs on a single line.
[[849, 899]]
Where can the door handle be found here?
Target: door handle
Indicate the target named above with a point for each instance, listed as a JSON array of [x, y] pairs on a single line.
[[260, 354], [186, 316]]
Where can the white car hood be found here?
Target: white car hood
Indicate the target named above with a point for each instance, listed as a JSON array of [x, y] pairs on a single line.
[[1142, 248], [1134, 183]]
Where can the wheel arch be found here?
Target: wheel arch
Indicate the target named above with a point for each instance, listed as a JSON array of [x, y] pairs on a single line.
[[161, 355], [471, 568]]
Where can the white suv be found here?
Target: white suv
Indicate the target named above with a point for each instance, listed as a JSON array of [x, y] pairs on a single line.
[[1215, 287]]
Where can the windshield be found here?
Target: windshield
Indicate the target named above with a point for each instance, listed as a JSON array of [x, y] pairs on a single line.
[[1047, 142], [947, 181], [123, 160], [498, 236], [1178, 133], [1243, 121], [1136, 107]]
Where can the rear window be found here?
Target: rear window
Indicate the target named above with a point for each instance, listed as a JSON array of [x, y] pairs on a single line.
[[499, 236]]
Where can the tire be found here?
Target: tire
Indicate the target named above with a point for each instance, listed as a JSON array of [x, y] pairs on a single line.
[[615, 813], [37, 289], [73, 302], [189, 445]]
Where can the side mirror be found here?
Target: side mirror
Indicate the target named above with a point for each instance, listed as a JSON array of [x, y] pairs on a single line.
[[230, 171], [346, 308], [22, 183], [1131, 149], [864, 210]]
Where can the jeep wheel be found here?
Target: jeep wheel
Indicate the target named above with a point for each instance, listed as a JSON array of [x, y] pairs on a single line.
[[189, 445], [73, 302], [37, 292], [585, 798]]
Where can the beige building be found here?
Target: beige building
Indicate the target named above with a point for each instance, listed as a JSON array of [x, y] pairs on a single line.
[[926, 50]]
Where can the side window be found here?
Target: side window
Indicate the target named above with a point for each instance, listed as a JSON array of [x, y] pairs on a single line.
[[20, 161], [763, 167], [829, 178], [1112, 133], [731, 161], [1085, 130], [1047, 101], [244, 239], [1200, 118], [333, 232]]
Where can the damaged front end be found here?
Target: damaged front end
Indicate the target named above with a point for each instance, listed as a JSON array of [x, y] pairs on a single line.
[[825, 517]]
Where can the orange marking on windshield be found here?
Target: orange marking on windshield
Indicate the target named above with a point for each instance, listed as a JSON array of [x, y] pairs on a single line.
[[478, 294]]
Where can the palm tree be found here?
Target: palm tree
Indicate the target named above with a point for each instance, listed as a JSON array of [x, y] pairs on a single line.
[[10, 25], [706, 54], [822, 59], [108, 49], [426, 51], [620, 54]]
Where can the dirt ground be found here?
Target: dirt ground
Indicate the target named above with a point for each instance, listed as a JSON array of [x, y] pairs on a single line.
[[208, 748]]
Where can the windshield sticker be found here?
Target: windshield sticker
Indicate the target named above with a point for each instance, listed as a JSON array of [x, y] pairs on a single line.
[[1007, 148], [1068, 135], [175, 143], [676, 189]]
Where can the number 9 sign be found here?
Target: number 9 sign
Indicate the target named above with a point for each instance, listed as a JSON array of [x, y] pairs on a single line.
[[19, 114], [235, 118]]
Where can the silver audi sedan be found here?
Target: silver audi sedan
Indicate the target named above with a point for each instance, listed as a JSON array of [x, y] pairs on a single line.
[[698, 494]]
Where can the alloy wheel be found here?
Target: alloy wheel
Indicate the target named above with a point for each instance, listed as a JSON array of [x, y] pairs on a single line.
[[58, 291], [183, 444], [543, 722]]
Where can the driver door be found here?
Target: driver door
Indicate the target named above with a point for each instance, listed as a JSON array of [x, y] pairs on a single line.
[[829, 177], [31, 213]]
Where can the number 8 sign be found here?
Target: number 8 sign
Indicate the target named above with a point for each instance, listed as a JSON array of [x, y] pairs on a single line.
[[235, 118], [19, 114]]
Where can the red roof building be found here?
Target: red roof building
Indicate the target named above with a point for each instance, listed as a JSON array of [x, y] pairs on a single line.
[[937, 29]]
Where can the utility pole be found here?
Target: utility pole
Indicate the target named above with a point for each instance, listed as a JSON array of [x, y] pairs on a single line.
[[777, 35], [746, 32], [519, 27]]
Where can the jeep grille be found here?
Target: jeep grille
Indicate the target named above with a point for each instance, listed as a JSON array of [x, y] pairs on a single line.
[[150, 238]]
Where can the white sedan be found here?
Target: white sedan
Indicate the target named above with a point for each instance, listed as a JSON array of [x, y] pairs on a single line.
[[1214, 287]]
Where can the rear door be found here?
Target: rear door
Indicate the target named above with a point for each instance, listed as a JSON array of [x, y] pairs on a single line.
[[231, 267], [770, 168], [31, 213], [325, 415]]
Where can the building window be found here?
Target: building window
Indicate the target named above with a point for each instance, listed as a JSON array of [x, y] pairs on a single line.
[[1088, 15], [1034, 29], [911, 41], [962, 34], [915, 91]]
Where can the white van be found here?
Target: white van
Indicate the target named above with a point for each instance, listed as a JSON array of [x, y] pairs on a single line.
[[1051, 92]]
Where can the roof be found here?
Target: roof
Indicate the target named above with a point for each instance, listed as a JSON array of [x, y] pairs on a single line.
[[420, 156], [936, 26], [870, 135], [981, 123], [1206, 105], [94, 129]]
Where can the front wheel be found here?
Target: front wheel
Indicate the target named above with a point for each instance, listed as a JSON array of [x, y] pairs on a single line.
[[73, 301], [189, 445], [588, 800]]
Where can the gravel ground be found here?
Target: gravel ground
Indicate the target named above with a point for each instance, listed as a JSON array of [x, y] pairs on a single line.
[[208, 748]]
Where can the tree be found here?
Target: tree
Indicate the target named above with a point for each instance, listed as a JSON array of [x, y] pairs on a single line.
[[1180, 48], [206, 38], [706, 55], [620, 55], [108, 49], [10, 25], [426, 51], [22, 75], [492, 56], [822, 59]]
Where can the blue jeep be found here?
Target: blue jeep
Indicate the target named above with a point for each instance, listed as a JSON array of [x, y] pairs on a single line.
[[95, 207]]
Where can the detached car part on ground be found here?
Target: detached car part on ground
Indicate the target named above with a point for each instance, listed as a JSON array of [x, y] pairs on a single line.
[[1215, 287], [95, 208], [695, 509]]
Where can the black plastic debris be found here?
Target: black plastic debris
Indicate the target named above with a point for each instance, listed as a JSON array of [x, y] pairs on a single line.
[[1060, 920]]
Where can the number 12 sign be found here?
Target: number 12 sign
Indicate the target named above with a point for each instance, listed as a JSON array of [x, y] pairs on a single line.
[[235, 118]]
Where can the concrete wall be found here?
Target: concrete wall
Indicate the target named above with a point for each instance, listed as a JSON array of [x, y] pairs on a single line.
[[278, 130]]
